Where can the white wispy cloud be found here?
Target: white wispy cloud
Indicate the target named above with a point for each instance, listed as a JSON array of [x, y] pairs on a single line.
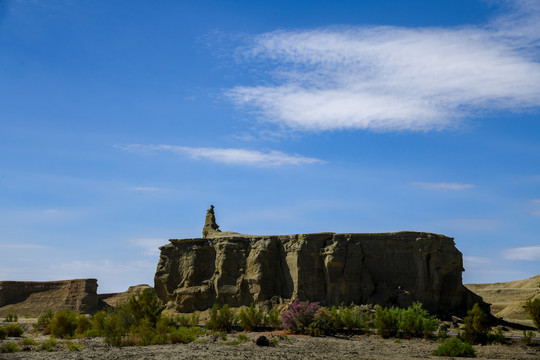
[[394, 78], [22, 246], [230, 156], [144, 188], [528, 253], [443, 185], [149, 247], [535, 201]]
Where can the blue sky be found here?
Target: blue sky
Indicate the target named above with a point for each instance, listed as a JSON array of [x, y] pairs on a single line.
[[122, 121]]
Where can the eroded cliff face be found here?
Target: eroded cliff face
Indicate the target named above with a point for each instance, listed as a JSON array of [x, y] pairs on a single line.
[[36, 297], [384, 268]]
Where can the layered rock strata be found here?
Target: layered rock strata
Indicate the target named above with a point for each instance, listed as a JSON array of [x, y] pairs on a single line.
[[381, 268], [36, 297]]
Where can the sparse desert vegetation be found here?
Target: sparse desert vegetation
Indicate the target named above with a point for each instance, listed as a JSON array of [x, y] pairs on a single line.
[[140, 323]]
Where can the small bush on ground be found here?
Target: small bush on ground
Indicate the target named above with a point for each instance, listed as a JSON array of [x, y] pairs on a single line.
[[145, 305], [145, 332], [184, 335], [13, 330], [10, 347], [2, 333], [476, 328], [83, 325], [73, 346], [28, 342], [533, 308], [49, 344], [63, 324], [325, 322], [527, 337], [250, 318], [299, 315], [497, 337], [456, 348], [416, 322], [113, 329], [221, 319], [386, 321], [11, 316], [188, 320], [355, 318], [44, 320], [272, 319]]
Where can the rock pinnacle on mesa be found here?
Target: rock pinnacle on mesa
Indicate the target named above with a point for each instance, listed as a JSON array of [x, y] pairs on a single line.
[[210, 225]]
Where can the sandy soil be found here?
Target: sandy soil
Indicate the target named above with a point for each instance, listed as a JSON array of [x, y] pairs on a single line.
[[290, 347]]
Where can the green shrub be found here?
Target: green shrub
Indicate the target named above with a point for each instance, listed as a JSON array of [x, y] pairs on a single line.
[[272, 319], [98, 322], [476, 328], [188, 321], [28, 342], [355, 318], [11, 316], [10, 347], [2, 333], [442, 333], [72, 346], [63, 324], [145, 305], [274, 341], [325, 322], [113, 329], [386, 321], [250, 318], [533, 308], [49, 344], [184, 335], [44, 320], [497, 337], [456, 348], [527, 337], [145, 331], [416, 322], [13, 330], [83, 325], [220, 319]]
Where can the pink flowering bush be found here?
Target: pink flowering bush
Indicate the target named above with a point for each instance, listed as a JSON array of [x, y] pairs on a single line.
[[299, 315]]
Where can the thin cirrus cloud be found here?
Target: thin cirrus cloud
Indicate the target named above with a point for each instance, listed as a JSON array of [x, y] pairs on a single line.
[[528, 253], [443, 185], [386, 78], [231, 156]]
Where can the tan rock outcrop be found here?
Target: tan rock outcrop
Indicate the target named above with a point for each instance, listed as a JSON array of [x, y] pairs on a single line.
[[508, 298], [36, 297], [381, 268], [112, 299]]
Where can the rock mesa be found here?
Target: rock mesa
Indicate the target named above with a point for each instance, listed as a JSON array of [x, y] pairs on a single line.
[[380, 268]]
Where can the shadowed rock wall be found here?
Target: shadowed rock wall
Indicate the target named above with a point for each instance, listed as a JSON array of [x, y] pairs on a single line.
[[382, 268], [36, 297]]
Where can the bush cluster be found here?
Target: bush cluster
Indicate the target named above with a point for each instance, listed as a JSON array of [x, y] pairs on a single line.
[[413, 321], [11, 316], [456, 348]]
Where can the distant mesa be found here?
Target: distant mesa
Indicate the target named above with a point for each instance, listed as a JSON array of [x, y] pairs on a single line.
[[507, 298], [380, 268], [36, 297], [80, 295]]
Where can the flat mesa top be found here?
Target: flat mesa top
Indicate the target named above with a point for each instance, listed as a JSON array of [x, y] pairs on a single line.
[[409, 235]]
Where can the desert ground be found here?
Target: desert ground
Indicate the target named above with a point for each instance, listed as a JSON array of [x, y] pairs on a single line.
[[288, 347]]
